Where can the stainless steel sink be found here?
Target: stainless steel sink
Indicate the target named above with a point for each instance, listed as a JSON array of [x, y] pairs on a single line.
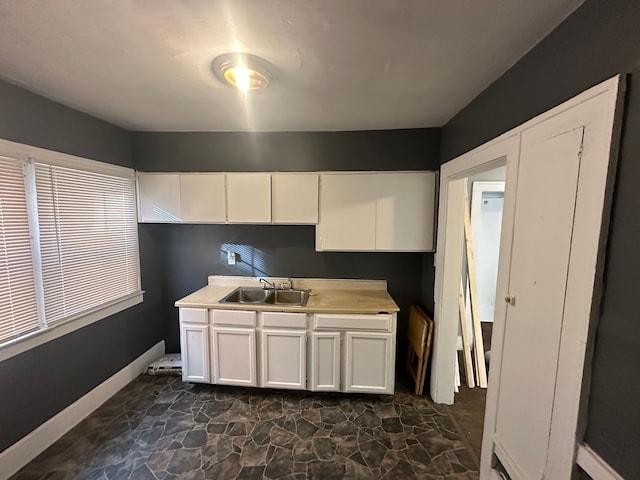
[[288, 297], [246, 295], [259, 296]]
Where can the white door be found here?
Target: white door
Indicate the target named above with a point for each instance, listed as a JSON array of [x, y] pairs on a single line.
[[233, 356], [283, 360], [548, 174], [325, 362], [194, 344], [368, 362]]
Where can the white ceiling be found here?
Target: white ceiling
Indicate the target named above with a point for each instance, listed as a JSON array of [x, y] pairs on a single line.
[[337, 64]]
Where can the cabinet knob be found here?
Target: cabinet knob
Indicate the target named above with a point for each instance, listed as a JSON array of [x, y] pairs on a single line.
[[510, 300]]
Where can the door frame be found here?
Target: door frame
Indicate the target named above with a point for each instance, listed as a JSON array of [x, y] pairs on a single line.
[[477, 188], [602, 102], [502, 151]]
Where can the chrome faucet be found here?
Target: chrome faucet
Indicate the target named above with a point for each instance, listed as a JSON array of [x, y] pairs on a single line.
[[266, 284]]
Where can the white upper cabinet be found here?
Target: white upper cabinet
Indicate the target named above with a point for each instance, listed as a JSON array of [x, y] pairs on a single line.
[[249, 198], [405, 211], [354, 211], [294, 198], [159, 197], [377, 211], [202, 197], [347, 212], [173, 197]]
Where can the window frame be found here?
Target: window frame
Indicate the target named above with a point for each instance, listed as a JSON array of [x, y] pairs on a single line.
[[28, 153]]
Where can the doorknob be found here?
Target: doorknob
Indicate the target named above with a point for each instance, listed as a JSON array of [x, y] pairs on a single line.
[[510, 300]]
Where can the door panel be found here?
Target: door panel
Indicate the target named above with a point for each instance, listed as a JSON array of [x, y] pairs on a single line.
[[234, 356], [195, 353], [368, 362], [347, 212], [325, 361], [543, 226], [405, 209], [202, 197], [249, 198], [284, 356], [159, 197]]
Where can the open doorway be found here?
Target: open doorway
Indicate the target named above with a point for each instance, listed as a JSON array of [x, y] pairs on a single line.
[[484, 201]]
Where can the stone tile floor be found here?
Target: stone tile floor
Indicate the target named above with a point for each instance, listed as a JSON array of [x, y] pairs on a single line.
[[162, 428]]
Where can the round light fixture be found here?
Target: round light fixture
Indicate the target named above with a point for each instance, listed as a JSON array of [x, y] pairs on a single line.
[[242, 70]]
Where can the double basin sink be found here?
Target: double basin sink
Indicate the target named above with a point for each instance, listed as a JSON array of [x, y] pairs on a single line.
[[261, 296]]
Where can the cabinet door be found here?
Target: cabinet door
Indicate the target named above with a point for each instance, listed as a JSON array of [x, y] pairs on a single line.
[[294, 198], [194, 343], [283, 362], [249, 198], [325, 362], [369, 362], [405, 210], [202, 197], [347, 212], [159, 197], [233, 356]]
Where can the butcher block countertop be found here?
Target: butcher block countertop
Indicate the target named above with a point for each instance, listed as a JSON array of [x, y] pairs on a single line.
[[327, 296]]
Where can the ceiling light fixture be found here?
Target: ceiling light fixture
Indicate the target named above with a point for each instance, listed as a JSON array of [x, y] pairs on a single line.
[[242, 70]]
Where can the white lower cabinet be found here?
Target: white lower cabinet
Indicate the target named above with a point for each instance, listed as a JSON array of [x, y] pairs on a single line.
[[325, 362], [194, 343], [347, 353], [368, 367], [233, 358], [353, 353], [283, 363]]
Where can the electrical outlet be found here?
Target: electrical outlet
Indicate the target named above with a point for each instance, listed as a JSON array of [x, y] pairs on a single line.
[[231, 258]]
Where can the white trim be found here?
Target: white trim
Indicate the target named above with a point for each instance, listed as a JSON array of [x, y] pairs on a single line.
[[28, 154], [22, 151], [501, 151], [32, 340], [33, 444], [600, 108], [594, 465]]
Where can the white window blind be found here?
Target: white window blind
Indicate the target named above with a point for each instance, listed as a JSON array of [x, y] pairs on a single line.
[[88, 240], [18, 307]]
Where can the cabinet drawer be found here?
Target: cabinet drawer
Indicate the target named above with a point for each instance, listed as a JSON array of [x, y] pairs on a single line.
[[193, 315], [352, 322], [236, 318], [282, 319]]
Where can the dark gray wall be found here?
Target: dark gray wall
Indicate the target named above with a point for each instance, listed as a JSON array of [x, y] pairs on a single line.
[[410, 149], [598, 41], [41, 382], [29, 118], [193, 251]]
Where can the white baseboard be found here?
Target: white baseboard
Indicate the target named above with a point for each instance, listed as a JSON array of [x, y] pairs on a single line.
[[33, 444], [594, 465]]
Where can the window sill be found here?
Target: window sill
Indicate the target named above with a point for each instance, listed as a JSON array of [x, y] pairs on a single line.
[[34, 339]]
